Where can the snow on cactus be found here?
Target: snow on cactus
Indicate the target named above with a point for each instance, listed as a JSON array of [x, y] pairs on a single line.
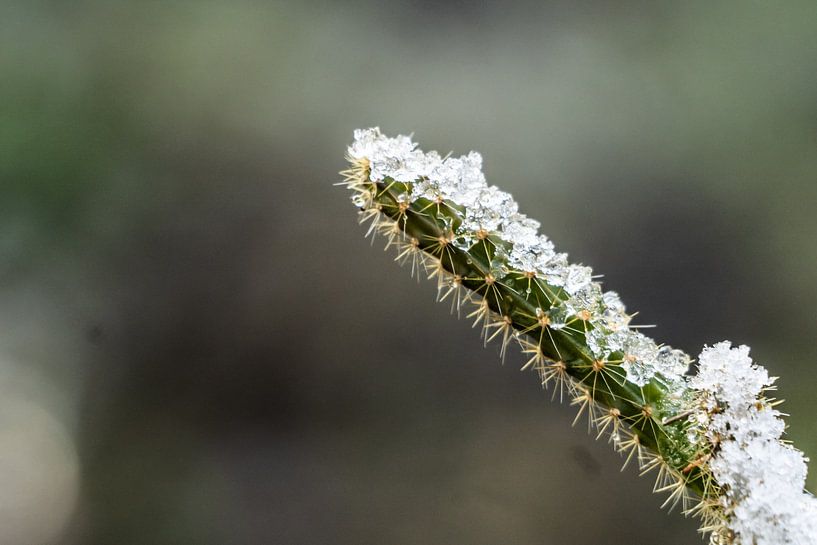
[[762, 478], [713, 439]]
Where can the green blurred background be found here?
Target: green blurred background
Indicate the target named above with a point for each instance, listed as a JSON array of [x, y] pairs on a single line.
[[198, 347]]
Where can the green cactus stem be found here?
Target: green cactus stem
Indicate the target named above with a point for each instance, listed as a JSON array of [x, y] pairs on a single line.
[[446, 222]]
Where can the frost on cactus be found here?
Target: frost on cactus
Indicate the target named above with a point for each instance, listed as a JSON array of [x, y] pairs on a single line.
[[713, 440], [762, 477]]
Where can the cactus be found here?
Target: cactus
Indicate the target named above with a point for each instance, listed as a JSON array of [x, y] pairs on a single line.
[[446, 222]]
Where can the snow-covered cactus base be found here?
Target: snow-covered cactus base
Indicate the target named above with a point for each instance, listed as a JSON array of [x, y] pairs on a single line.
[[712, 439], [763, 478]]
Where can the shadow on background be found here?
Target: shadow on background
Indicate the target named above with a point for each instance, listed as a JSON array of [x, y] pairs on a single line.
[[198, 346]]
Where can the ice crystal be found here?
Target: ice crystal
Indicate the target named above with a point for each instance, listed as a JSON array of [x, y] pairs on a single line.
[[585, 300], [729, 375], [671, 362], [552, 267], [577, 279], [529, 248], [639, 357], [395, 156], [597, 342], [613, 316], [487, 208]]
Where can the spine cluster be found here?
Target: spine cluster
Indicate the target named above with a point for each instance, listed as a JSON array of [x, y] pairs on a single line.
[[445, 221]]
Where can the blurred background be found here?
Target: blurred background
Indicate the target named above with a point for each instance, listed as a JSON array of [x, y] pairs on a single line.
[[197, 346]]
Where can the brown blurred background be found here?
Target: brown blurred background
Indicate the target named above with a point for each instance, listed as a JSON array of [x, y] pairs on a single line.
[[198, 347]]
